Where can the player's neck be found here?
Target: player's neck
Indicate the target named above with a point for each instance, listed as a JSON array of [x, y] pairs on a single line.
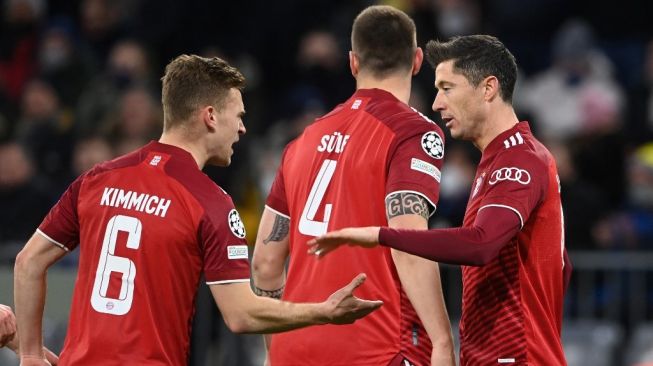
[[498, 121], [399, 85], [174, 139]]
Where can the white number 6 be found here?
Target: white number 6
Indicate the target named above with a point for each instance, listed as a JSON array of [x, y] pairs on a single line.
[[111, 263]]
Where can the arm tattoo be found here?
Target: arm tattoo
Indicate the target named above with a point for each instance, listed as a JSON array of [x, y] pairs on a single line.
[[279, 229], [275, 294], [406, 203]]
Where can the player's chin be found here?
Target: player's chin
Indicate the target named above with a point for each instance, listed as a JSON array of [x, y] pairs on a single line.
[[223, 162]]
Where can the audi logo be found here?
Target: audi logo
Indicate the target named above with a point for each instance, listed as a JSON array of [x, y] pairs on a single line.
[[510, 173]]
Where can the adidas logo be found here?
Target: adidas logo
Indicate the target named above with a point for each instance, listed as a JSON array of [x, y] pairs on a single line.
[[513, 140]]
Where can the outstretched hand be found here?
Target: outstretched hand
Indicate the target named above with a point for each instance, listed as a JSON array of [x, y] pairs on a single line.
[[7, 325], [366, 237], [345, 308]]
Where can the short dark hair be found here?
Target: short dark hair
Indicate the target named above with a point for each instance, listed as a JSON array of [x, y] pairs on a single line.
[[477, 57], [191, 81], [384, 40]]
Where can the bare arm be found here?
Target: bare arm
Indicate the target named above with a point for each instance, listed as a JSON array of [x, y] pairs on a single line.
[[244, 312], [30, 272], [471, 246], [270, 253], [420, 277]]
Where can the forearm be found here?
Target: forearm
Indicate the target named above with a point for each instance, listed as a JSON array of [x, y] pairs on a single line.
[[267, 315], [29, 298], [473, 246]]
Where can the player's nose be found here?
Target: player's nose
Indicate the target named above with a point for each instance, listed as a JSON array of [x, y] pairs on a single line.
[[438, 103]]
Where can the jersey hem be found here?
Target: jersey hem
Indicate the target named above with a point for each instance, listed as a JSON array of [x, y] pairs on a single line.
[[521, 220], [223, 282], [52, 240], [277, 212]]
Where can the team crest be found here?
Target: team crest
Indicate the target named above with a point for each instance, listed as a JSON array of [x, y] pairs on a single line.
[[236, 224], [479, 181], [432, 145]]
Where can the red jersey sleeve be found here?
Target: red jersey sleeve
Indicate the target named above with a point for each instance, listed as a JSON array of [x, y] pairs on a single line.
[[415, 166], [277, 197], [518, 181], [225, 251], [61, 225]]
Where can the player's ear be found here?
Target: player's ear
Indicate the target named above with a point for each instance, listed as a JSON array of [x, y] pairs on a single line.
[[490, 87], [353, 63], [209, 116], [418, 60]]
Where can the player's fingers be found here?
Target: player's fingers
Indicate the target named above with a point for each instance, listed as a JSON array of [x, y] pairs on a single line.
[[370, 305], [51, 357], [357, 281]]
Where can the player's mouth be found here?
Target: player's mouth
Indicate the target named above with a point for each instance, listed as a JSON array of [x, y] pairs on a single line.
[[448, 121]]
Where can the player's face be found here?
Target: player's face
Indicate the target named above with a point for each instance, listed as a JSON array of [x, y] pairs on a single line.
[[459, 102], [230, 127]]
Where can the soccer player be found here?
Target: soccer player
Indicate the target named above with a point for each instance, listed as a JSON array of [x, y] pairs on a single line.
[[148, 224], [373, 160], [511, 244]]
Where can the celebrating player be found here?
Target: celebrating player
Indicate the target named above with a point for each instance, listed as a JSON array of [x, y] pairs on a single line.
[[512, 242], [373, 160], [148, 224]]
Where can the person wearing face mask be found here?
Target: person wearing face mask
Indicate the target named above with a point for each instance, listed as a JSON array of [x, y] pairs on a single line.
[[61, 62]]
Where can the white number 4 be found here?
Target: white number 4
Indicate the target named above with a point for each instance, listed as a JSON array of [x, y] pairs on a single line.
[[111, 263], [307, 223]]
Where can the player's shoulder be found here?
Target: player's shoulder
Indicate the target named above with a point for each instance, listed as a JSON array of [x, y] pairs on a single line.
[[406, 122], [204, 190], [523, 148], [397, 114], [110, 166]]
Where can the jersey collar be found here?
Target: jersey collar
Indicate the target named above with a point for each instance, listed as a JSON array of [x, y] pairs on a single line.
[[374, 93], [171, 150]]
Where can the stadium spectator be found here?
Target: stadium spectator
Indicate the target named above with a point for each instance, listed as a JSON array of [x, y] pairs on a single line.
[[640, 102], [579, 72], [631, 227], [18, 44], [136, 121], [512, 243], [62, 62], [24, 198], [143, 252], [45, 129], [338, 173], [127, 66]]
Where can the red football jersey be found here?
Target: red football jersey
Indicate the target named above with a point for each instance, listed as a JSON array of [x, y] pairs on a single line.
[[512, 307], [148, 224], [338, 174]]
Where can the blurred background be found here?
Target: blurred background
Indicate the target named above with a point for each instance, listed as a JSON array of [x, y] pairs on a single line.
[[79, 84]]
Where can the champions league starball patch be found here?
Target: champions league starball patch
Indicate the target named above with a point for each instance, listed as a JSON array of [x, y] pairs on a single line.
[[236, 224], [432, 145]]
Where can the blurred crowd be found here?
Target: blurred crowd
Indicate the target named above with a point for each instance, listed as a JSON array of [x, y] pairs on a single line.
[[79, 84]]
